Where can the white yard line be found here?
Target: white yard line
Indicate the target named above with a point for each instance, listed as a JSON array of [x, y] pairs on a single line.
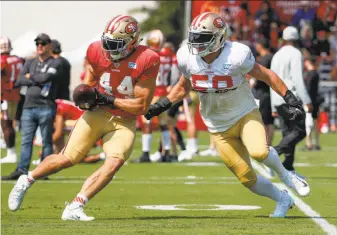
[[305, 208]]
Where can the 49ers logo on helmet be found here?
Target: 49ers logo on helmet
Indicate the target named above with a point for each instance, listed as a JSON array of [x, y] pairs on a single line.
[[131, 27], [219, 22]]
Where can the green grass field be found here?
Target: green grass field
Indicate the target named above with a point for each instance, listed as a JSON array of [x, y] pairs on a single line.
[[196, 187]]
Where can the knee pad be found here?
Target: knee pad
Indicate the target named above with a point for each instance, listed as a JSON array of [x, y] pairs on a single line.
[[163, 127], [245, 174]]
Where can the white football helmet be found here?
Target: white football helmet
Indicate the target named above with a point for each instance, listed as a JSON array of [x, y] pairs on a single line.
[[206, 34], [120, 37], [5, 45], [155, 40]]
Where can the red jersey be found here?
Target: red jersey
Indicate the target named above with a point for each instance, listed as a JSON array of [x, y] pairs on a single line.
[[68, 110], [11, 66], [119, 78]]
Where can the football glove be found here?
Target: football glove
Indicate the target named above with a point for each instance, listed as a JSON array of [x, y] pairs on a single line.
[[295, 110], [157, 108], [103, 99]]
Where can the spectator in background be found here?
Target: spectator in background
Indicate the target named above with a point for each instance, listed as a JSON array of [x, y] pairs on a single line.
[[303, 15], [64, 75], [306, 38], [41, 76], [261, 89], [264, 18], [311, 80], [333, 42], [241, 22], [287, 64]]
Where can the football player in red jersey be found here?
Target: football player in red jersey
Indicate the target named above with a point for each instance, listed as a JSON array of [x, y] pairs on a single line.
[[11, 66], [125, 75], [155, 40]]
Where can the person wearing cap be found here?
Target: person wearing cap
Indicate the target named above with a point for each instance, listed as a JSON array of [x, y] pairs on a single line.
[[287, 63], [41, 76], [64, 82]]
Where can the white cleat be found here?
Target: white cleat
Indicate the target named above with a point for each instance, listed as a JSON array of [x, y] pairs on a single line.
[[211, 152], [155, 157], [185, 155], [9, 159], [299, 175], [75, 212], [300, 186], [18, 192], [36, 162], [282, 207]]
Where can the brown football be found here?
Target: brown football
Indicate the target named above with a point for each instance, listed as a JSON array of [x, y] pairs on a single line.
[[83, 94]]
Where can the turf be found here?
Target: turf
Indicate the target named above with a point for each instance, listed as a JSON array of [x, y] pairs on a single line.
[[197, 187]]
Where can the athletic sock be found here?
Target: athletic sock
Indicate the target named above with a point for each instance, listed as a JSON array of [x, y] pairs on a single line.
[[265, 188], [11, 151], [166, 140], [80, 199], [192, 145], [273, 162], [30, 178], [146, 142]]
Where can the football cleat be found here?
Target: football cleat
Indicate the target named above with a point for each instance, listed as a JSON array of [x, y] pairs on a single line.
[[155, 157], [211, 152], [300, 186], [185, 156], [18, 192], [9, 159], [74, 211], [282, 207]]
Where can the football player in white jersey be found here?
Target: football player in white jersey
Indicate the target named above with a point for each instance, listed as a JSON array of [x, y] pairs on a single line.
[[216, 69]]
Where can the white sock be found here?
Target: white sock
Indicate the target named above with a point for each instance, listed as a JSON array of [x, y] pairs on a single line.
[[11, 151], [265, 188], [146, 142], [80, 199], [166, 139], [273, 161], [192, 145], [30, 178], [102, 156]]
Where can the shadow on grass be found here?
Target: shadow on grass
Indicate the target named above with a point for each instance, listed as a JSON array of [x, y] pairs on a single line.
[[303, 217]]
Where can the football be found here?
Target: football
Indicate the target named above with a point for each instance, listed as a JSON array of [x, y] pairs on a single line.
[[84, 95]]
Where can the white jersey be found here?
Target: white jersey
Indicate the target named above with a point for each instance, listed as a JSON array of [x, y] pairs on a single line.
[[225, 96]]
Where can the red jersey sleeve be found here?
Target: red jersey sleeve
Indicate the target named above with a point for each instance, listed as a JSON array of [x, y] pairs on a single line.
[[60, 107], [150, 67], [93, 53]]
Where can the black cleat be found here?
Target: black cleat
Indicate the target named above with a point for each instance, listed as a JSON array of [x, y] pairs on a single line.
[[14, 176]]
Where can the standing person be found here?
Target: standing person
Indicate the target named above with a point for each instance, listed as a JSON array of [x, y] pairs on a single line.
[[262, 92], [125, 74], [155, 41], [41, 75], [216, 69], [287, 63], [11, 66], [65, 68], [311, 79]]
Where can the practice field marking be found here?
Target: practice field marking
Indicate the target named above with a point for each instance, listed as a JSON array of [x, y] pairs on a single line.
[[214, 207], [306, 209]]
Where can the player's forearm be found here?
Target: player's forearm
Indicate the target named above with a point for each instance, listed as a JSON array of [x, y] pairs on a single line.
[[179, 91], [138, 106]]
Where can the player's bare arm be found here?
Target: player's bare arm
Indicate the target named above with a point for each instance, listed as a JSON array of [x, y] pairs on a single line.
[[143, 91], [58, 126], [261, 73], [295, 111], [90, 76], [178, 92]]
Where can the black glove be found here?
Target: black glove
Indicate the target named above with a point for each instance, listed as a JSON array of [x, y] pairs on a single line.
[[295, 110], [158, 107], [103, 99]]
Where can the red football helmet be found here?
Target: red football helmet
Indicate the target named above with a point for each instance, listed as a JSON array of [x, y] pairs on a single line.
[[155, 40], [120, 37], [5, 45]]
